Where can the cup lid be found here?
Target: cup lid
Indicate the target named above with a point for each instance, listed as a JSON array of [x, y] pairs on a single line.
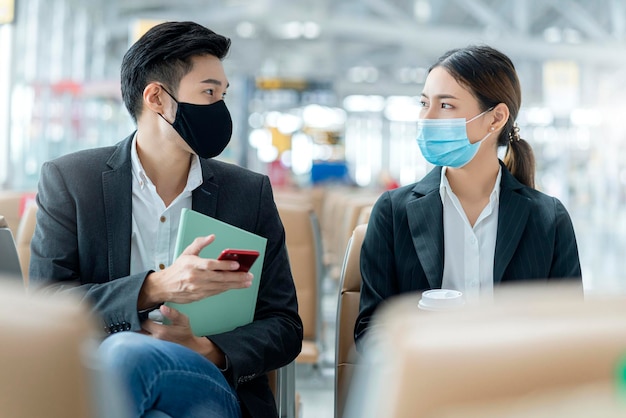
[[441, 300]]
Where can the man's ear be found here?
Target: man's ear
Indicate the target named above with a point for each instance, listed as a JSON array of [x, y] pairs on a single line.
[[500, 115], [152, 96]]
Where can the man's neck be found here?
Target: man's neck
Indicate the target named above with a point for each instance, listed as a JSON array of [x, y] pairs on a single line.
[[166, 165]]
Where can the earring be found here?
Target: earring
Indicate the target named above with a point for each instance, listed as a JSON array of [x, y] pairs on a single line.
[[493, 129]]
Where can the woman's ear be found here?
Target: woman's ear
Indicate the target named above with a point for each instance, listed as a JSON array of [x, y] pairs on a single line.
[[500, 115]]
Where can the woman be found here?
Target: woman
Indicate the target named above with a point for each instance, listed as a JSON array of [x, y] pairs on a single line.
[[473, 221]]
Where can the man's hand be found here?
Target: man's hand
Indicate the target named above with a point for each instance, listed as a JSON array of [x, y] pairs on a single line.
[[191, 278], [179, 331]]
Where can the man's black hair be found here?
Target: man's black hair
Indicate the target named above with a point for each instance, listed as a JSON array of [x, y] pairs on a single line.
[[164, 54]]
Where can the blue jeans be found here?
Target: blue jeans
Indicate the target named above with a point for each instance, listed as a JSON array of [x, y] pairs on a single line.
[[167, 377]]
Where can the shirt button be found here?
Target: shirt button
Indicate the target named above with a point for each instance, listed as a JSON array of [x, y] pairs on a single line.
[[473, 240], [163, 218], [161, 266]]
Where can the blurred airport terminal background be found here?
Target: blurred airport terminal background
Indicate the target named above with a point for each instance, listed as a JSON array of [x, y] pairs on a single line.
[[324, 96]]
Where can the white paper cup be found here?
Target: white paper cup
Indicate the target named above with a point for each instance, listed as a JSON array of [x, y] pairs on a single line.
[[441, 300]]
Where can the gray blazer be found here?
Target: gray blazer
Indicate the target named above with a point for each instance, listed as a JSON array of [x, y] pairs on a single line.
[[82, 245], [403, 248]]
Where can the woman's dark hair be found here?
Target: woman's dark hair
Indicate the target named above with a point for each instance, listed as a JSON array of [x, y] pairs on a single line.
[[491, 77], [164, 54]]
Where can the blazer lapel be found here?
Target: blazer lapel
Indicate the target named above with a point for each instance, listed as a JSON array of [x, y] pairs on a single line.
[[204, 198], [117, 190], [512, 217], [425, 217]]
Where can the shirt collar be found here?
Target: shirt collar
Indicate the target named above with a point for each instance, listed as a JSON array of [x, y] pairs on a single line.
[[194, 178], [444, 186]]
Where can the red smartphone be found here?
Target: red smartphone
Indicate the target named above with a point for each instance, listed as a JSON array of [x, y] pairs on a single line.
[[245, 258]]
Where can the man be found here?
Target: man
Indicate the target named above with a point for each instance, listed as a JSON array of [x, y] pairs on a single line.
[[107, 223]]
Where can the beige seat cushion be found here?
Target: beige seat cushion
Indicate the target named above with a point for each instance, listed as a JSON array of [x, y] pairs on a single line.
[[43, 356]]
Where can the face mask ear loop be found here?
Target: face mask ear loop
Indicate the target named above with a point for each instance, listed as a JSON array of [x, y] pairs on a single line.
[[173, 98], [477, 116]]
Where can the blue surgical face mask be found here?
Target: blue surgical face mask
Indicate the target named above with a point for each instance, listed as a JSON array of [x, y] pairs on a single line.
[[444, 142]]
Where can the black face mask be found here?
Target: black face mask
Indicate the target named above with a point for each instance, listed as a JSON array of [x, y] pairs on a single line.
[[205, 128]]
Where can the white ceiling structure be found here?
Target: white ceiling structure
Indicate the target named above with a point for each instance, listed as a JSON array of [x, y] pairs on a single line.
[[383, 45]]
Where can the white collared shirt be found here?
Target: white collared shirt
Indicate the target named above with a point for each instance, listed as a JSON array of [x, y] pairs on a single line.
[[469, 252], [154, 226]]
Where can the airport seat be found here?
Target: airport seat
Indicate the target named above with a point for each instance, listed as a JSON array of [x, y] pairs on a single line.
[[539, 351], [25, 232], [347, 311], [303, 246], [283, 385], [10, 202]]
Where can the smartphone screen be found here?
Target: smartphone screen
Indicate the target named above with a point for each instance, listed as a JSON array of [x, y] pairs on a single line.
[[245, 258]]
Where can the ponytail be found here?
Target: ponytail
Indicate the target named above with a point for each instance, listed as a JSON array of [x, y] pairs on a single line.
[[520, 159]]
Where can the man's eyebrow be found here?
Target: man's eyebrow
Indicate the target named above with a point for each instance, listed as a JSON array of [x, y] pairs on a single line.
[[214, 81]]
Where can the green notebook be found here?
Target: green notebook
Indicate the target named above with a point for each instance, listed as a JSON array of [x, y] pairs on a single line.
[[233, 308]]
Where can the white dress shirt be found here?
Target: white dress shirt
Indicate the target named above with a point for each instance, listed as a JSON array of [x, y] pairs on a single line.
[[154, 226], [469, 251]]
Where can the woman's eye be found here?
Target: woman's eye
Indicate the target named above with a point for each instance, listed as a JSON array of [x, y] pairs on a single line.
[[423, 104], [209, 91], [446, 106]]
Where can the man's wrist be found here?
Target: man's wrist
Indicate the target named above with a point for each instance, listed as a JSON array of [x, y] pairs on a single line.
[[149, 298]]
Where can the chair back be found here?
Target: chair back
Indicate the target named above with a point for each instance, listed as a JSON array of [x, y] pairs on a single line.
[[24, 235], [347, 312], [303, 246]]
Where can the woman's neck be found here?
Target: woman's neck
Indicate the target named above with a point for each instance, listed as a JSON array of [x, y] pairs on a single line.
[[475, 181]]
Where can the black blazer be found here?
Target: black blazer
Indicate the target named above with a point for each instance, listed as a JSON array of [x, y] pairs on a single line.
[[403, 248], [82, 245]]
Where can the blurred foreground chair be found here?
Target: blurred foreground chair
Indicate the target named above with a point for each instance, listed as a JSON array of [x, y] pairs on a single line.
[[534, 352], [43, 346], [303, 243], [347, 311]]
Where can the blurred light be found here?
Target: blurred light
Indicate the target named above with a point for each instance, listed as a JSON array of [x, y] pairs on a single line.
[[359, 103], [267, 154], [260, 138], [422, 11], [301, 153], [288, 124], [311, 30], [411, 75], [552, 35], [272, 119], [322, 152], [586, 117], [316, 116], [106, 112], [246, 30], [540, 116], [402, 109], [363, 175], [291, 30], [572, 36], [256, 120], [360, 74], [285, 158]]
